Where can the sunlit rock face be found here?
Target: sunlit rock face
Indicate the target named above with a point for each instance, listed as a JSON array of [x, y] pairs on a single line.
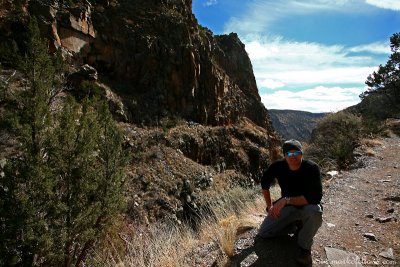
[[160, 58]]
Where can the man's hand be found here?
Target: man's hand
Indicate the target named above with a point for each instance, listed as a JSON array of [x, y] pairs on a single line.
[[275, 210], [268, 209]]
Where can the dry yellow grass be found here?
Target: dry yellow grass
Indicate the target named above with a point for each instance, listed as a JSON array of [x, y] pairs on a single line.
[[370, 152], [159, 245], [371, 142], [368, 144], [169, 244], [227, 235]]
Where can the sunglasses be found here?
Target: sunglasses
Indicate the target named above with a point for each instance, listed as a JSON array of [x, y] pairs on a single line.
[[295, 154]]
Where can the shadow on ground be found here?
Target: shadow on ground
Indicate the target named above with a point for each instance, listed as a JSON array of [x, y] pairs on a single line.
[[275, 252]]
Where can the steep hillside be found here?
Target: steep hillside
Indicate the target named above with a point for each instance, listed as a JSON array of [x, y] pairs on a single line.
[[186, 100], [294, 124]]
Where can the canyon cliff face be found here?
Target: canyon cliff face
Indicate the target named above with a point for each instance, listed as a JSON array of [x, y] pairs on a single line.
[[294, 124], [187, 100], [169, 65]]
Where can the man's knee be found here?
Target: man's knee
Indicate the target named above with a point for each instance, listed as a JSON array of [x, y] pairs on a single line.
[[290, 211], [312, 212], [271, 227], [312, 209]]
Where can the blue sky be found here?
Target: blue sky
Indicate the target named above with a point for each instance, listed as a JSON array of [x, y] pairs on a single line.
[[311, 55]]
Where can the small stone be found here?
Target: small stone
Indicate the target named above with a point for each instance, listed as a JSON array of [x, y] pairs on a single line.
[[384, 220], [330, 225], [370, 236], [390, 210], [387, 254], [249, 260], [3, 163], [369, 216], [332, 173]]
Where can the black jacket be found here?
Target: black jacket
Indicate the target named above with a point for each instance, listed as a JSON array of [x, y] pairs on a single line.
[[306, 181]]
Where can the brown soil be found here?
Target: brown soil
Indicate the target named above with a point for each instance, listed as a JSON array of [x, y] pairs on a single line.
[[356, 202]]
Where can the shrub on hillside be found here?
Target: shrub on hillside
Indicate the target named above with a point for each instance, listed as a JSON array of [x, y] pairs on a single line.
[[335, 138], [88, 89], [372, 126]]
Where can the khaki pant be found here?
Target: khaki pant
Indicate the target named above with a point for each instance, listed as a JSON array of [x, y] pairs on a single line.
[[309, 215]]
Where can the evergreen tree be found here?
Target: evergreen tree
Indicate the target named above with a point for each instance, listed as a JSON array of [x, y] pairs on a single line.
[[384, 84], [88, 156], [27, 185], [110, 179], [59, 195]]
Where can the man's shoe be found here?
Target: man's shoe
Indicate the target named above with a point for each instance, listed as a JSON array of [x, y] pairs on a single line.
[[304, 257]]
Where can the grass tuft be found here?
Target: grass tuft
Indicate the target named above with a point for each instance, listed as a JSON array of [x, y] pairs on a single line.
[[227, 235]]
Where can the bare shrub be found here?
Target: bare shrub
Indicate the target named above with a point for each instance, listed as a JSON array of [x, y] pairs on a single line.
[[335, 138]]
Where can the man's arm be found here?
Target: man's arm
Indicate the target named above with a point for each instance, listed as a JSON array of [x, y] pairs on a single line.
[[267, 198], [313, 190], [275, 210]]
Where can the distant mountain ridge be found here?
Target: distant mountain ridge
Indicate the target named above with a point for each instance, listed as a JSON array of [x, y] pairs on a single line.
[[294, 124]]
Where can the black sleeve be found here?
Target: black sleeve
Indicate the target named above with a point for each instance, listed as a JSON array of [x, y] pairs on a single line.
[[268, 176], [314, 189]]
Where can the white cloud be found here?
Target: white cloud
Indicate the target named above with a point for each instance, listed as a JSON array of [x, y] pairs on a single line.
[[300, 54], [318, 99], [375, 48], [260, 15], [259, 51], [331, 75], [335, 73], [277, 62], [270, 83], [210, 3], [386, 4]]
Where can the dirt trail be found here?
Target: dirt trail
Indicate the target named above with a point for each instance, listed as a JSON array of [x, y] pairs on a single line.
[[361, 216]]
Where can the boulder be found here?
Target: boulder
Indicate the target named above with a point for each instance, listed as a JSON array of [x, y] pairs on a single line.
[[340, 258]]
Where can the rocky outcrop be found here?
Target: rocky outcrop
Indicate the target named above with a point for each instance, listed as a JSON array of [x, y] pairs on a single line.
[[71, 29], [169, 65], [178, 171]]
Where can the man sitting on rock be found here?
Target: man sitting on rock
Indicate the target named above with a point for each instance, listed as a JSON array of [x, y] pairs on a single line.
[[301, 193]]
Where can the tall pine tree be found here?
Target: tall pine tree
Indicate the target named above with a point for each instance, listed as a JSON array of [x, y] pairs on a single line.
[[383, 94], [65, 187], [27, 185]]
